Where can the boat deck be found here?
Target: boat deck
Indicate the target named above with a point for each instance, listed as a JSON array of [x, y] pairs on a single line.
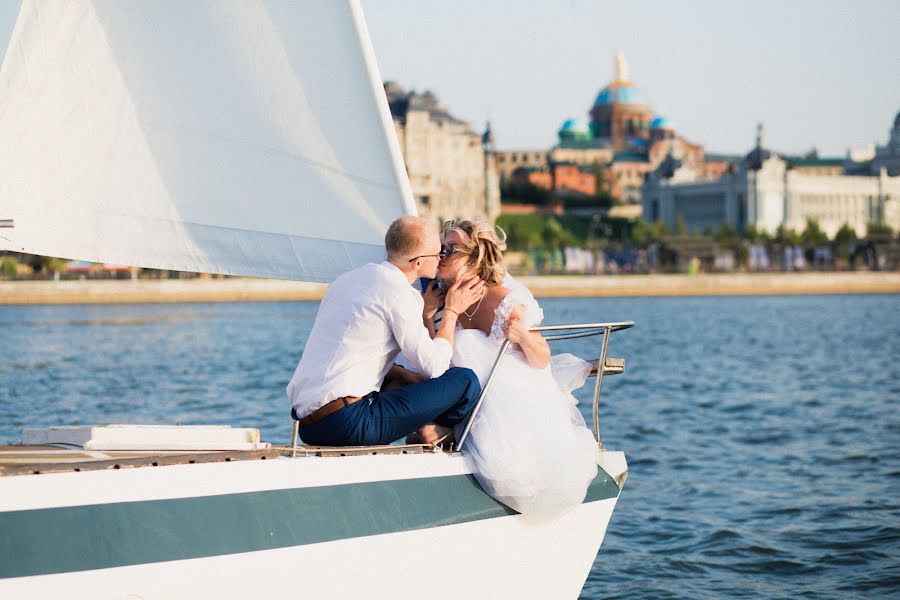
[[52, 458]]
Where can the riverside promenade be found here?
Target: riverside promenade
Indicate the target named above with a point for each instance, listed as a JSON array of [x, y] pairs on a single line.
[[267, 290]]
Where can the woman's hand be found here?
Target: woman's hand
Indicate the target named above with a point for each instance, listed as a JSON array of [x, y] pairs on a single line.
[[532, 343], [515, 331], [434, 299]]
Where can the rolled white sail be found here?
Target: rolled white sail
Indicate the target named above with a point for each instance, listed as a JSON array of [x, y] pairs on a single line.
[[246, 137]]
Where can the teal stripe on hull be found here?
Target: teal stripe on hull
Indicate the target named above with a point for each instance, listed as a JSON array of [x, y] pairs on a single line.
[[83, 538]]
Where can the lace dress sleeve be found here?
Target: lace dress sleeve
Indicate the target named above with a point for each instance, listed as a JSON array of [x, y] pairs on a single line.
[[532, 314]]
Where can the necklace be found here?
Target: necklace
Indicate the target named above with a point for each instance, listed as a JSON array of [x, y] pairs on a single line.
[[469, 316]]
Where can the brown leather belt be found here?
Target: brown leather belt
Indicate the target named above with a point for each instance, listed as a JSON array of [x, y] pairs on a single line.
[[330, 408]]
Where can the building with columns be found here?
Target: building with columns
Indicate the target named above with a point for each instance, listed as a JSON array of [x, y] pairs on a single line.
[[765, 190], [452, 169]]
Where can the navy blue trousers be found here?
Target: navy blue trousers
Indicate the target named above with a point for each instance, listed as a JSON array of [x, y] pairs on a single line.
[[381, 418]]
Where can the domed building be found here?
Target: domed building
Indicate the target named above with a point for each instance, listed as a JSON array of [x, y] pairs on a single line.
[[661, 128], [624, 140], [574, 130], [626, 136], [621, 112]]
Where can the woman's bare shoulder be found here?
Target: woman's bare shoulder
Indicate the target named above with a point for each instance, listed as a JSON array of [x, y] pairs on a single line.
[[499, 292]]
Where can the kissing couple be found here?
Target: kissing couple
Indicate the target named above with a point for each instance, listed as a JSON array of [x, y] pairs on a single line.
[[528, 446]]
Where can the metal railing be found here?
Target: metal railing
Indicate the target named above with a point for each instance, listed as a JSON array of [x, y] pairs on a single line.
[[581, 330], [577, 331]]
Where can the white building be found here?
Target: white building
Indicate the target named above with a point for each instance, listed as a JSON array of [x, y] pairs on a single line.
[[765, 190], [452, 169]]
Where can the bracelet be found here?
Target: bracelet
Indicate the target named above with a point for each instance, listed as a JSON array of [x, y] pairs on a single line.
[[451, 310]]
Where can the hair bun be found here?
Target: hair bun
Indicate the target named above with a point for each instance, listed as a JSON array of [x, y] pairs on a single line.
[[484, 245]]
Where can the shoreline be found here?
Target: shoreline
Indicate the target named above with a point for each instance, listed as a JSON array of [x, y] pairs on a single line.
[[547, 286]]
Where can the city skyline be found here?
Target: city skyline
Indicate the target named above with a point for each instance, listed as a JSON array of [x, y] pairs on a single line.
[[714, 69]]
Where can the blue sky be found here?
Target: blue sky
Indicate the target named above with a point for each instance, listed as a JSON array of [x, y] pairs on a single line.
[[817, 73]]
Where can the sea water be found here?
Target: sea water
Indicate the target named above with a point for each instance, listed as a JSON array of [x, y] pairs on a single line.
[[763, 433]]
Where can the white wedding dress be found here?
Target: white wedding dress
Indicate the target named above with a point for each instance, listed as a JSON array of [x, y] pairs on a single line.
[[528, 446]]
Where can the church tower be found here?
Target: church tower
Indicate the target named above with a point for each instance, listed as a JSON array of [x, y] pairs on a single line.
[[621, 112]]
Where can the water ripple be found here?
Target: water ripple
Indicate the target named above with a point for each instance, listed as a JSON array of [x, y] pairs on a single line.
[[763, 458]]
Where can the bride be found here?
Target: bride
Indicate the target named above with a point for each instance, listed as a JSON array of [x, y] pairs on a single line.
[[528, 446]]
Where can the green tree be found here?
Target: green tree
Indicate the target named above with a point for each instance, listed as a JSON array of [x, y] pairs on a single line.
[[757, 236], [8, 266], [659, 230], [681, 227], [784, 235], [813, 234], [554, 235], [642, 232], [843, 238], [525, 192], [726, 234], [845, 234], [874, 228], [522, 231]]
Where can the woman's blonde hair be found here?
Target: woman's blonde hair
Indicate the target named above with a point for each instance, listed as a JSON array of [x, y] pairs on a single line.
[[483, 246]]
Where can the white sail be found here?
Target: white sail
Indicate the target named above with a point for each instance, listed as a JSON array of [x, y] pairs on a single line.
[[246, 137]]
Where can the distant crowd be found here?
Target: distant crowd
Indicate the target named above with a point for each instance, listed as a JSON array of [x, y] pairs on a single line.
[[660, 257]]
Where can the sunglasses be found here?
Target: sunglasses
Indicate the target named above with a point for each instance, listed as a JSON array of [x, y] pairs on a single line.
[[447, 250]]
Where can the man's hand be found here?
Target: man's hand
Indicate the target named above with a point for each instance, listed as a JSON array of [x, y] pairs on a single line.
[[434, 298], [463, 294], [398, 377], [409, 377]]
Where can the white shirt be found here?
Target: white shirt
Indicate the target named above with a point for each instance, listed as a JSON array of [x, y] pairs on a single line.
[[367, 317]]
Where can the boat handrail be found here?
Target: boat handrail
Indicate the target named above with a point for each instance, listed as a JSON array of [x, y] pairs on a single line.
[[579, 330]]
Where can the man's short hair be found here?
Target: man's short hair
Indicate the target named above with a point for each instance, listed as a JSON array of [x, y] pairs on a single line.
[[405, 236]]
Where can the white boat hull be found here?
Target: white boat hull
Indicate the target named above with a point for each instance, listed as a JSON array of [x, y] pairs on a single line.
[[483, 551]]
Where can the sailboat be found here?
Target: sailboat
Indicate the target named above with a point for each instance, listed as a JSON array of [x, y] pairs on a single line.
[[242, 137]]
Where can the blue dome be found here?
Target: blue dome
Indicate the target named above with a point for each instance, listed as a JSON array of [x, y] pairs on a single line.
[[574, 130], [614, 94], [661, 122], [575, 126]]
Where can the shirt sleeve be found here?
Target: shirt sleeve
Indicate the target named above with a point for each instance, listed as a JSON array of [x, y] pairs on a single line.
[[431, 357]]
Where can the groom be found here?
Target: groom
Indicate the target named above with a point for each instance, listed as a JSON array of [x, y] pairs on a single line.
[[367, 317]]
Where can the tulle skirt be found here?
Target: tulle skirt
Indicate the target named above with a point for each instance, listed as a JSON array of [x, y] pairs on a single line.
[[528, 446]]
